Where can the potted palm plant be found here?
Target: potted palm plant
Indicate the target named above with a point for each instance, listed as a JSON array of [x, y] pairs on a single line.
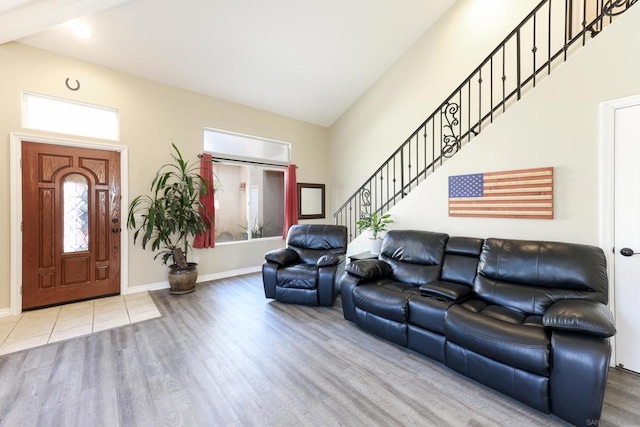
[[376, 224], [168, 219]]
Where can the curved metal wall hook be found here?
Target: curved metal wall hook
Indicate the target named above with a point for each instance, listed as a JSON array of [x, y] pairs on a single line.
[[66, 82]]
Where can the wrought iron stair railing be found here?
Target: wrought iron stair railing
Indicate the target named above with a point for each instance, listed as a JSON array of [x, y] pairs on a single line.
[[540, 43]]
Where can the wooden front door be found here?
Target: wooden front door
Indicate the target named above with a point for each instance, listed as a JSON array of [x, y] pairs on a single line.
[[70, 224]]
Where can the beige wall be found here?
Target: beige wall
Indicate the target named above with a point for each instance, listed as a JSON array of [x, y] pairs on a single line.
[[152, 115], [557, 124]]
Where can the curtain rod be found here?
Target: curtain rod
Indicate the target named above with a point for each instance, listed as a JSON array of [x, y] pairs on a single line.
[[214, 159]]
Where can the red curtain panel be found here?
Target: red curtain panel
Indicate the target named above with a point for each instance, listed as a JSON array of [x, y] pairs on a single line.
[[207, 239], [290, 200]]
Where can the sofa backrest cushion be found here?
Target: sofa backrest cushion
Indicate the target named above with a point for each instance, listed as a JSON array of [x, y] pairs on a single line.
[[415, 256], [461, 258], [315, 240], [530, 276]]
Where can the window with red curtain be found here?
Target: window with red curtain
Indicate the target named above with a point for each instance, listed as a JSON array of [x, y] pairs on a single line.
[[249, 175]]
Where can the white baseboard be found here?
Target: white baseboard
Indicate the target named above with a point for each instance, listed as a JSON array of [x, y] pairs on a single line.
[[4, 312], [203, 278], [230, 273], [148, 287]]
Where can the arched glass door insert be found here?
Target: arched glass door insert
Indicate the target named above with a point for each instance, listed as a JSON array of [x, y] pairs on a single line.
[[75, 195]]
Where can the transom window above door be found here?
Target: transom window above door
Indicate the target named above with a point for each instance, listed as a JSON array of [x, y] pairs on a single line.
[[61, 115]]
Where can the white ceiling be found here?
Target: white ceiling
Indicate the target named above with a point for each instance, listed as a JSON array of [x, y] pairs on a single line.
[[306, 59]]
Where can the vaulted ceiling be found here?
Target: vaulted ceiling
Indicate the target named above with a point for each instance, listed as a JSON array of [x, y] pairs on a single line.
[[305, 59]]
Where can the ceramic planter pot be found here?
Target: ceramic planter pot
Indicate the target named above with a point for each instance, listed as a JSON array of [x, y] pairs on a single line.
[[183, 280], [374, 246]]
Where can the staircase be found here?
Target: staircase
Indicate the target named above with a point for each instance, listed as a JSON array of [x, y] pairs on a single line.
[[545, 39]]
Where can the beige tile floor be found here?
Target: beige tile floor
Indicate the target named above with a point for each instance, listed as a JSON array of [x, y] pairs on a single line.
[[38, 327]]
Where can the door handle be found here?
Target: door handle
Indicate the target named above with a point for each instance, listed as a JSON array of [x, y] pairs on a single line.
[[115, 230], [628, 252]]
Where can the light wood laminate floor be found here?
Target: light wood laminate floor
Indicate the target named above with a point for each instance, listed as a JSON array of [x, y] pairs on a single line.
[[226, 356]]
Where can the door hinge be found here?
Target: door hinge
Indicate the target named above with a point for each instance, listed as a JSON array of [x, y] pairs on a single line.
[[21, 226], [20, 289], [20, 162]]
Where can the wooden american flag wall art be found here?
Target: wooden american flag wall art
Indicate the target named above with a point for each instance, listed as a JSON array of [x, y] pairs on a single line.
[[525, 193]]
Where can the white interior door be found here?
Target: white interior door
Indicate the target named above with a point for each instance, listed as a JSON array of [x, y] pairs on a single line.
[[627, 236]]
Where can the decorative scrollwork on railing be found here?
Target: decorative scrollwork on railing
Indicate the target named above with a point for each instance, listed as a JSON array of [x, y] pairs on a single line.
[[450, 141], [365, 200], [617, 7]]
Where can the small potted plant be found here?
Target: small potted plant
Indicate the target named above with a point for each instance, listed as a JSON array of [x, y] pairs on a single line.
[[376, 224], [170, 217]]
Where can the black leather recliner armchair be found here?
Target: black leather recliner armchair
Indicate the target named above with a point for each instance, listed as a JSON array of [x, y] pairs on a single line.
[[306, 270]]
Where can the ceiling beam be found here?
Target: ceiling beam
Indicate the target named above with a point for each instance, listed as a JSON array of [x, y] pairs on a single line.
[[34, 16]]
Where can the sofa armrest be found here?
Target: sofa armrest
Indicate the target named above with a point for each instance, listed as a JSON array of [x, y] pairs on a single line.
[[369, 269], [329, 260], [447, 290], [282, 256], [588, 317]]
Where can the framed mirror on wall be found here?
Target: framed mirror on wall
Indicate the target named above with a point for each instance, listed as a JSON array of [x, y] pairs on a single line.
[[310, 201]]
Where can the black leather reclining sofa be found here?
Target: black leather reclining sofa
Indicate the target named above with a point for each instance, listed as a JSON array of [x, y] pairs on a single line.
[[526, 318]]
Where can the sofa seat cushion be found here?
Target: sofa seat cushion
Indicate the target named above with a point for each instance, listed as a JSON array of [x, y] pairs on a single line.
[[300, 276], [386, 298], [504, 335], [427, 312]]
